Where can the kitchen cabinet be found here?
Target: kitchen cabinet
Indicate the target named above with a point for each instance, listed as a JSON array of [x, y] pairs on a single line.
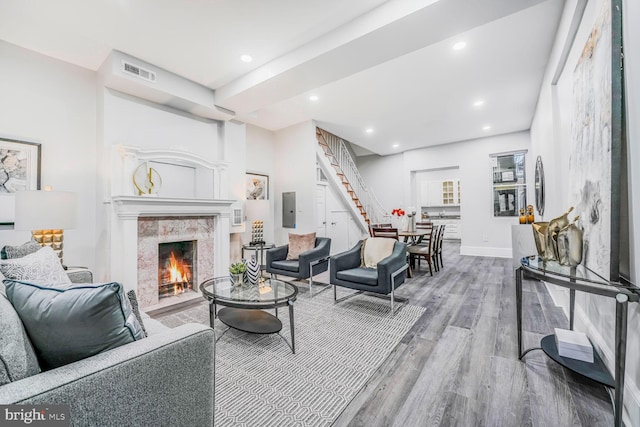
[[440, 193], [452, 227]]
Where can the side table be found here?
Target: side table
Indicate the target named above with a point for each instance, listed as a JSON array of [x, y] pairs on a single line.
[[581, 279], [257, 247]]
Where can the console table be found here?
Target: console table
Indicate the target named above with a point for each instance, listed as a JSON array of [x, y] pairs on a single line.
[[259, 249], [581, 279]]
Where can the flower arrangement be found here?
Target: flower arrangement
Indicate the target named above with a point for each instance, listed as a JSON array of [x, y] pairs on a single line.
[[398, 212]]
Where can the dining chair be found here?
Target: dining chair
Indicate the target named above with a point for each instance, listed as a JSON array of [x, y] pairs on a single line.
[[385, 232], [372, 226], [423, 249]]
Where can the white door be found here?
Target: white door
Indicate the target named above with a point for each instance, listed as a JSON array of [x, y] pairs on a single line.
[[321, 210], [339, 231]]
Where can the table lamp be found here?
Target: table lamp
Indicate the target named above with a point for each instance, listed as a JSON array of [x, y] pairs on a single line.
[[46, 214]]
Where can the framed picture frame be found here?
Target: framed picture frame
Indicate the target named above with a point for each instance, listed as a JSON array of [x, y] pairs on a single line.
[[596, 173], [20, 169], [257, 186]]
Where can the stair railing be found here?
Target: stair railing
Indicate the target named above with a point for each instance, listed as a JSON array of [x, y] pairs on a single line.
[[340, 153]]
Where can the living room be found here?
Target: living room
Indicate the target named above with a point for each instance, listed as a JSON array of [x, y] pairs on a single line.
[[90, 122]]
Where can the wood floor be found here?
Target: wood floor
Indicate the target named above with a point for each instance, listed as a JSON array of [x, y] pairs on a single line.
[[459, 366]]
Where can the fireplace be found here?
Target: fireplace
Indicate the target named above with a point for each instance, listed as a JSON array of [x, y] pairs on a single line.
[[139, 224], [176, 268]]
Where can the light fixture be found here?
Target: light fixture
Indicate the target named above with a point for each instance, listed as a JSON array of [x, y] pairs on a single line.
[[46, 214], [313, 98], [459, 45], [486, 127], [479, 103], [246, 58], [368, 130], [396, 145]]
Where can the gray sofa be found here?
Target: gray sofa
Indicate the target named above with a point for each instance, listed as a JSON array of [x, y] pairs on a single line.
[[164, 379]]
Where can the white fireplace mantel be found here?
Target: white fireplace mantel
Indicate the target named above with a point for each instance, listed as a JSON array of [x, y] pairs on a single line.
[[124, 229], [127, 207]]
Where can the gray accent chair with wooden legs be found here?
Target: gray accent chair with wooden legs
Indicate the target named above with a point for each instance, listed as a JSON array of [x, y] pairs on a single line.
[[308, 264], [346, 271]]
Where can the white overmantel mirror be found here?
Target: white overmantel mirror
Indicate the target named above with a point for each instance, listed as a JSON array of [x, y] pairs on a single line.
[[184, 175]]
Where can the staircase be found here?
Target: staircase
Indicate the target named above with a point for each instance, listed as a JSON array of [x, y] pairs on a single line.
[[366, 203]]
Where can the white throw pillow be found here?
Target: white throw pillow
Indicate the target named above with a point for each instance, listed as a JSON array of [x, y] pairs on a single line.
[[375, 249], [42, 268]]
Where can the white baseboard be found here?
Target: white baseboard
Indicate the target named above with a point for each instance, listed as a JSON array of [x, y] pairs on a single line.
[[631, 392], [484, 251]]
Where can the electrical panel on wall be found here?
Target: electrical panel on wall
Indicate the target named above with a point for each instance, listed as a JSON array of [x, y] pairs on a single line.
[[289, 209]]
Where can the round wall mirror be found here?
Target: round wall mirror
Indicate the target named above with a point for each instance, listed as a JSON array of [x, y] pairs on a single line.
[[539, 186]]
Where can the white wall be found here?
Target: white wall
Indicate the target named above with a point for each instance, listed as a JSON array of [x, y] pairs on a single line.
[[54, 103], [295, 170], [384, 175], [482, 233], [260, 158], [134, 122], [550, 133]]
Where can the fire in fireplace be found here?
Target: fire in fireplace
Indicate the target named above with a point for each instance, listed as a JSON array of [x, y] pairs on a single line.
[[176, 268]]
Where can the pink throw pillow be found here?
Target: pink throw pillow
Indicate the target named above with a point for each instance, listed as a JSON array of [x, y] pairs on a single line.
[[299, 243]]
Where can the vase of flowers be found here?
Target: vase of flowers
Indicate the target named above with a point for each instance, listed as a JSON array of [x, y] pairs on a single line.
[[236, 273], [399, 220]]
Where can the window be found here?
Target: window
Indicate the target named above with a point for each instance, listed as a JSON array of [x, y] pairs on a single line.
[[509, 183]]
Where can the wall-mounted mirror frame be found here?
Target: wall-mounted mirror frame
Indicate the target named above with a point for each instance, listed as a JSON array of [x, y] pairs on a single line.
[[539, 186]]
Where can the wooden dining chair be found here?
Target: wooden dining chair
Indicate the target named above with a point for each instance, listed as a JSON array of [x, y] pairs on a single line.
[[385, 232], [423, 249], [372, 226]]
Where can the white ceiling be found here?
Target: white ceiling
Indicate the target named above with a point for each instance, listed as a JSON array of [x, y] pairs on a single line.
[[387, 65]]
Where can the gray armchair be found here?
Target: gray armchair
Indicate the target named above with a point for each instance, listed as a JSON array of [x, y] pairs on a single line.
[[308, 264], [345, 271]]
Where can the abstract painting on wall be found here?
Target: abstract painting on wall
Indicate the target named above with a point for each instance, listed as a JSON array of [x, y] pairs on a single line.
[[257, 186], [19, 170], [595, 147]]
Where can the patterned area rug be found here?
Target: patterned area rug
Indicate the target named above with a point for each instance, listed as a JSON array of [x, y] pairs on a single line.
[[259, 382]]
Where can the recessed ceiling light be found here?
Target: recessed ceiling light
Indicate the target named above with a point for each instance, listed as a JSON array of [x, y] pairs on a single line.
[[369, 130], [396, 145], [246, 58], [487, 127], [479, 103], [313, 98], [459, 45]]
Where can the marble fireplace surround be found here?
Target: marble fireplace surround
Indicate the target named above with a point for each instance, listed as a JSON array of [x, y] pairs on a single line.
[[139, 222], [156, 230]]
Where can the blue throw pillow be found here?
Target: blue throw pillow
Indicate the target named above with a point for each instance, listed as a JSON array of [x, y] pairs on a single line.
[[65, 325]]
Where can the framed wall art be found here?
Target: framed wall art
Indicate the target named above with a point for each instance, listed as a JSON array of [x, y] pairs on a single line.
[[20, 164], [596, 142], [257, 186]]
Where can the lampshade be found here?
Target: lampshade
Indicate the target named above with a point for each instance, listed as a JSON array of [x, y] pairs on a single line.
[[40, 210]]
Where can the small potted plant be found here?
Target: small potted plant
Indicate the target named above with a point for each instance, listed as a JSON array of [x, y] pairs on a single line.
[[236, 272]]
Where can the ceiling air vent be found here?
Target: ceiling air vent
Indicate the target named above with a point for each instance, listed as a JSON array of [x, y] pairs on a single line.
[[140, 72]]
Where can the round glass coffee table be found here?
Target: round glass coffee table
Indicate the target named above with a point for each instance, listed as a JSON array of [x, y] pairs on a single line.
[[245, 305]]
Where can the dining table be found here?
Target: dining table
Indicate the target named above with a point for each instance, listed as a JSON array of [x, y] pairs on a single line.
[[413, 237]]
